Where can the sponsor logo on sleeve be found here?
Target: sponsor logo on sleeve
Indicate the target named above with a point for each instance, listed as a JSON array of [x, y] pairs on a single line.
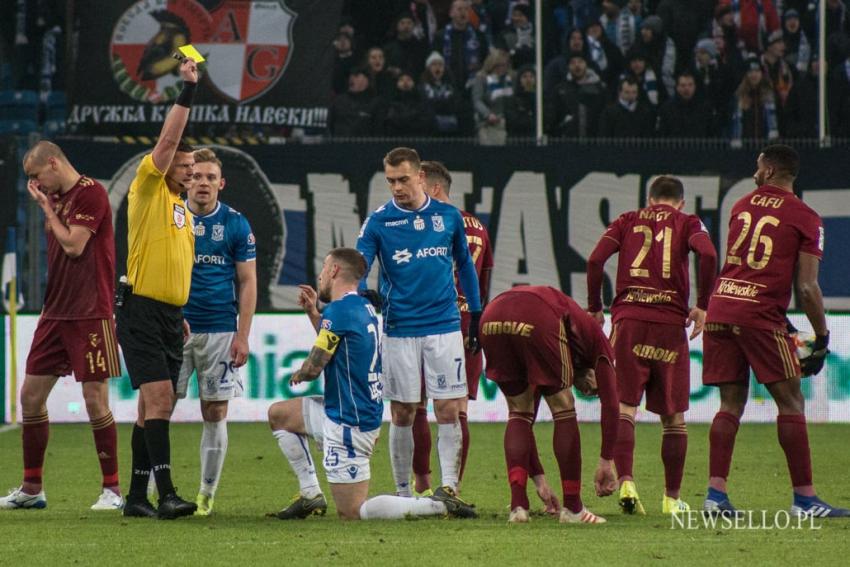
[[820, 238], [251, 239], [326, 324]]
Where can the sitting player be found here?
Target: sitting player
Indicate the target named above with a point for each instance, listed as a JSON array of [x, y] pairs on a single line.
[[534, 338], [348, 420]]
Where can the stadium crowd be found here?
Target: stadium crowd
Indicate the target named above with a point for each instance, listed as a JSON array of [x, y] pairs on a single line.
[[738, 69], [735, 69]]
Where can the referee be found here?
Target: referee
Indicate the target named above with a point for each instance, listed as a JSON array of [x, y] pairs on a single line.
[[149, 307]]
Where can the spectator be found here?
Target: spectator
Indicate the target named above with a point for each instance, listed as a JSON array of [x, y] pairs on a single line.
[[628, 25], [380, 78], [407, 113], [356, 113], [574, 110], [463, 47], [605, 56], [609, 20], [754, 117], [801, 108], [650, 92], [424, 19], [715, 82], [555, 72], [779, 73], [725, 34], [490, 89], [440, 94], [479, 17], [520, 109], [518, 38], [839, 100], [659, 50], [754, 21], [344, 61], [837, 18], [405, 52], [685, 115], [684, 20], [798, 49], [627, 117]]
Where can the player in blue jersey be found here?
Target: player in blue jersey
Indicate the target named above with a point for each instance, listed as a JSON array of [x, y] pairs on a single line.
[[417, 241], [348, 420], [219, 315]]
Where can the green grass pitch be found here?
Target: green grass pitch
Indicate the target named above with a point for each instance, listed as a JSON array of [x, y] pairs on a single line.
[[257, 480]]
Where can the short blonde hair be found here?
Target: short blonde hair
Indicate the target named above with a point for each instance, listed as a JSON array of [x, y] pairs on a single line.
[[206, 155]]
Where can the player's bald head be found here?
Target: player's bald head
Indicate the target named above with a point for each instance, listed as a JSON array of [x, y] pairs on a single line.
[[40, 153], [351, 262]]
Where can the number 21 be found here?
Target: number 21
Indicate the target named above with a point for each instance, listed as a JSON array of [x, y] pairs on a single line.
[[666, 237]]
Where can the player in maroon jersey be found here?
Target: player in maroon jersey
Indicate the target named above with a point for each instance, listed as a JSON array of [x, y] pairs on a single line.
[[773, 238], [536, 338], [650, 311], [76, 331]]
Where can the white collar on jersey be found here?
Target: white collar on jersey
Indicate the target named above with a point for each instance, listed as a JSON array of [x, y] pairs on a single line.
[[419, 210], [214, 211]]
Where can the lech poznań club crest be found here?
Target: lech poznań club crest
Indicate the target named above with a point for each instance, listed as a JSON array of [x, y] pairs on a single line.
[[246, 43], [218, 232], [437, 221]]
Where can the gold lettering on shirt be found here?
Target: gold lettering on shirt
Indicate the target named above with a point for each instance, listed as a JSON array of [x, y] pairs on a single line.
[[647, 214], [650, 296], [508, 328], [770, 202], [650, 352]]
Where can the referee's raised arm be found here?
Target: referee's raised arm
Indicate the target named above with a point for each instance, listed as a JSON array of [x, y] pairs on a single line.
[[178, 116], [149, 308]]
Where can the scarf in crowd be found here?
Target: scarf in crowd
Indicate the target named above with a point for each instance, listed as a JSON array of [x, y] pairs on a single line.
[[498, 87], [525, 36], [650, 86], [597, 53], [783, 81], [629, 24], [419, 26], [471, 45]]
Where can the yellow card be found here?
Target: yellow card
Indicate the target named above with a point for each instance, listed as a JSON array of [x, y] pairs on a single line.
[[190, 51]]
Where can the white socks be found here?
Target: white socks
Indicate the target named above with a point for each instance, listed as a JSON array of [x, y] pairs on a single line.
[[449, 446], [401, 457], [213, 451], [386, 507], [297, 451]]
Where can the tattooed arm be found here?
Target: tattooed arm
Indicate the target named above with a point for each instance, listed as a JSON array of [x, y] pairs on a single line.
[[312, 367]]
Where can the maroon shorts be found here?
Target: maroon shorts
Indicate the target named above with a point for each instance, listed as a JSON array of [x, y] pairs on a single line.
[[86, 347], [730, 351], [652, 358], [525, 349]]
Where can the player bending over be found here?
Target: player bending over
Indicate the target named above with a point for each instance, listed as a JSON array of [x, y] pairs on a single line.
[[535, 337], [348, 420]]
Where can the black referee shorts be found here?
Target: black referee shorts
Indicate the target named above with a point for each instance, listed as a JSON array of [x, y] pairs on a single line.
[[150, 333]]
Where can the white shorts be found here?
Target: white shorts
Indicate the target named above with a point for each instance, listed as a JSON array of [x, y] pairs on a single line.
[[209, 355], [439, 359], [347, 450]]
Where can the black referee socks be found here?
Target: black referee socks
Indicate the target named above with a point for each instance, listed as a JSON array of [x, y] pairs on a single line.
[[141, 465], [159, 451]]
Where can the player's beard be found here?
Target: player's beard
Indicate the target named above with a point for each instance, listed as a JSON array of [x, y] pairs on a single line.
[[759, 179], [325, 294]]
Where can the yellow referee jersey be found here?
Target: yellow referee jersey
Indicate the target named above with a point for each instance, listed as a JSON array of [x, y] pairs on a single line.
[[160, 240]]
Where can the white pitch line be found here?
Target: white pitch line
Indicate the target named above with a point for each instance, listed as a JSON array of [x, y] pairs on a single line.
[[5, 428]]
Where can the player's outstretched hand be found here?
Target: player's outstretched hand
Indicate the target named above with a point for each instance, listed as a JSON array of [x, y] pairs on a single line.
[[697, 317], [604, 479], [296, 378], [813, 363], [473, 343], [239, 350], [598, 316], [544, 491], [189, 70], [307, 299]]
